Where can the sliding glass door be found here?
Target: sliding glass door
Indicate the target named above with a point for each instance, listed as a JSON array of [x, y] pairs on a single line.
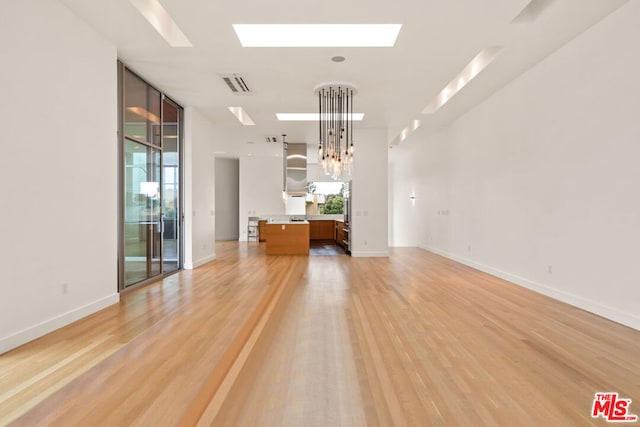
[[150, 191], [142, 213]]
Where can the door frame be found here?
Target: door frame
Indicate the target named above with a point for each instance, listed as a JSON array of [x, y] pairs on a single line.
[[121, 69]]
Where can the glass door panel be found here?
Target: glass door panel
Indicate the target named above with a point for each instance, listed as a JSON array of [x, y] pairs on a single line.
[[170, 187], [141, 110], [142, 209]]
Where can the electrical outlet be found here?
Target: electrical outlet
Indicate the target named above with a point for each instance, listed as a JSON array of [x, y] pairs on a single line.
[[365, 243], [65, 288], [469, 248], [550, 269]]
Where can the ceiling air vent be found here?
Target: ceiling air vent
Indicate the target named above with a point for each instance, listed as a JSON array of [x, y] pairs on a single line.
[[237, 83]]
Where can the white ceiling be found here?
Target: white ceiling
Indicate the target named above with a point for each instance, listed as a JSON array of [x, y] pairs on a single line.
[[437, 40]]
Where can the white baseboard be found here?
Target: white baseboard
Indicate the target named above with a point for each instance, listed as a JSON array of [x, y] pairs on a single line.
[[198, 263], [624, 318], [43, 328], [372, 254]]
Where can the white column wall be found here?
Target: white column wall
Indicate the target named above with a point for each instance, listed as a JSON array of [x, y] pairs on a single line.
[[199, 188], [58, 219], [539, 184], [369, 199]]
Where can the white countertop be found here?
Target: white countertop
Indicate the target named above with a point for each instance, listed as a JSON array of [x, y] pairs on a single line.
[[288, 222]]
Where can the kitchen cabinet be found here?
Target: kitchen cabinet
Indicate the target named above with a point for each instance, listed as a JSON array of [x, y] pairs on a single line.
[[321, 229]]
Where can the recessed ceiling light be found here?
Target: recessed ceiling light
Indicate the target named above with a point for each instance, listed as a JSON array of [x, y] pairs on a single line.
[[242, 116], [317, 35], [468, 73], [338, 59], [308, 117], [160, 19]]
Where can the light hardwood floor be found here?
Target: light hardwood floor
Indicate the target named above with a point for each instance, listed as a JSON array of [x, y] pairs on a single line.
[[414, 339]]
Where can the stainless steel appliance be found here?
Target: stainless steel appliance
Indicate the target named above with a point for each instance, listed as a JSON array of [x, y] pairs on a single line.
[[296, 169]]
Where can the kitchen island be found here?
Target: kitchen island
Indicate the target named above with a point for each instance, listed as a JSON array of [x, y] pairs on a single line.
[[287, 237]]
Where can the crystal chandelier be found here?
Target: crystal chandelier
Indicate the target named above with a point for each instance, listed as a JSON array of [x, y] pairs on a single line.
[[335, 133]]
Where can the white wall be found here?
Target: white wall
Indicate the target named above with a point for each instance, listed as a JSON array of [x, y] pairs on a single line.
[[369, 194], [227, 199], [199, 189], [539, 184], [260, 189], [58, 218]]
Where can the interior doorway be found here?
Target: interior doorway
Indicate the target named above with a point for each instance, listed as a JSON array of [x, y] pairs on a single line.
[[227, 199]]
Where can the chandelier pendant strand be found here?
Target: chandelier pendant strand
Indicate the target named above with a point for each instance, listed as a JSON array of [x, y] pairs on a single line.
[[335, 131]]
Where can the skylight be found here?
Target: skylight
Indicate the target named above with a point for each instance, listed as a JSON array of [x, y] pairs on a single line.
[[160, 19], [317, 35], [468, 73], [242, 116], [404, 134]]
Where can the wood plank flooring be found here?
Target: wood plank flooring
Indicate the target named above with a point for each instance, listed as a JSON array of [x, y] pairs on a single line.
[[415, 339]]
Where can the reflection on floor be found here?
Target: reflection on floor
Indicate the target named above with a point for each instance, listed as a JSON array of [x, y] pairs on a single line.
[[412, 339], [325, 247]]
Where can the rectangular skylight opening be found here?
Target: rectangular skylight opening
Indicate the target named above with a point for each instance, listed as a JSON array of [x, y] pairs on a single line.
[[311, 117], [532, 11], [317, 35], [468, 73], [242, 116], [160, 19]]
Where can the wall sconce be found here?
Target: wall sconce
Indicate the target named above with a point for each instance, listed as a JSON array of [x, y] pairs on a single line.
[[412, 197]]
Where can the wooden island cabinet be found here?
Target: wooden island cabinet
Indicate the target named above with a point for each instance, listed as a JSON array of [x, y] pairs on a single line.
[[287, 238]]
